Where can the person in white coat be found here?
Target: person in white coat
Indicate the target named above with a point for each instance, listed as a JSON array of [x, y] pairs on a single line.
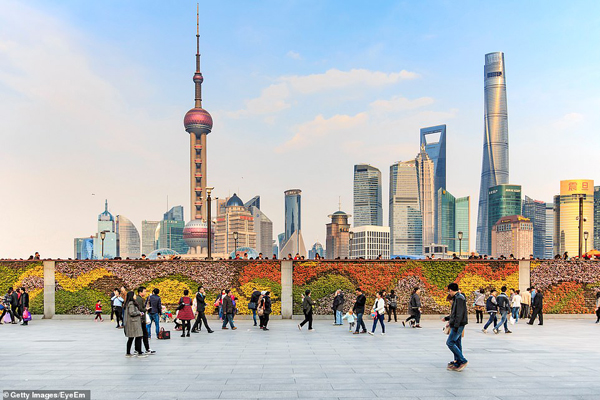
[[378, 312]]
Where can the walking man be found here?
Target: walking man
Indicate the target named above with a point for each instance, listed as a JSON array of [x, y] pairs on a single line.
[[457, 320], [140, 299], [503, 308], [200, 308], [538, 306], [228, 309], [491, 308], [253, 304], [14, 305], [338, 307], [525, 303], [359, 310], [154, 306], [24, 304]]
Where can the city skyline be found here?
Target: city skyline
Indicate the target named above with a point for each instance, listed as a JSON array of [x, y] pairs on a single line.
[[271, 96]]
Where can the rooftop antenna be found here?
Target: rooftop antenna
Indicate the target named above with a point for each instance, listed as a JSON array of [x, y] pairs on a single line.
[[339, 203]]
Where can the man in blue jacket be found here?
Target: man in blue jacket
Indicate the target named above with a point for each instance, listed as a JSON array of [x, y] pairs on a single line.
[[503, 308], [457, 320]]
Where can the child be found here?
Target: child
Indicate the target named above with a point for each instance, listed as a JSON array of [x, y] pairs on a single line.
[[350, 317], [98, 312]]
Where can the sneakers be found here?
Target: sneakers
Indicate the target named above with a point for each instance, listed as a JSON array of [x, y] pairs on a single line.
[[224, 327], [484, 330], [211, 331], [234, 328], [496, 331], [299, 327], [363, 331], [150, 351], [451, 366], [462, 366], [129, 355], [265, 329], [508, 332], [371, 333], [140, 355], [355, 333], [311, 330], [404, 324], [383, 334], [418, 326]]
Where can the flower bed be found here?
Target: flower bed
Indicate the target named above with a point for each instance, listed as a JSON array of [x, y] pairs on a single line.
[[28, 274]]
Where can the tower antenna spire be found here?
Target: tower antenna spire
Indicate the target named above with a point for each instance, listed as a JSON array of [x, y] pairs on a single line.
[[198, 78]]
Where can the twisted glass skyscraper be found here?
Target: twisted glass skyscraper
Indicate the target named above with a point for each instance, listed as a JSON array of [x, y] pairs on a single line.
[[494, 170]]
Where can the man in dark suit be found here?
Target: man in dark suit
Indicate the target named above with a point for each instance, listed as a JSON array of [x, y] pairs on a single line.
[[200, 307], [23, 304], [359, 310], [14, 304], [538, 306]]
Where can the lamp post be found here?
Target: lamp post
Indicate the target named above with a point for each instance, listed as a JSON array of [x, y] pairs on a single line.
[[460, 236], [585, 236], [102, 237], [209, 221], [235, 239], [351, 236]]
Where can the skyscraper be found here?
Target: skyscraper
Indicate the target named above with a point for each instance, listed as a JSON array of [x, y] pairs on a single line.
[[549, 240], [596, 217], [253, 202], [495, 166], [453, 217], [462, 223], [148, 236], [128, 238], [426, 184], [433, 139], [292, 239], [571, 191], [368, 208], [105, 242], [174, 214], [263, 227], [236, 220], [557, 240], [503, 201], [535, 210], [317, 248], [338, 236], [198, 123], [406, 222]]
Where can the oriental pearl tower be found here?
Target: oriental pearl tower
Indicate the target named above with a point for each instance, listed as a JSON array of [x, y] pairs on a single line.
[[198, 123]]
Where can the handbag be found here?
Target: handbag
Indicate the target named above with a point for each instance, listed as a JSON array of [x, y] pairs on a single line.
[[164, 335], [7, 319], [252, 305], [148, 320], [26, 316]]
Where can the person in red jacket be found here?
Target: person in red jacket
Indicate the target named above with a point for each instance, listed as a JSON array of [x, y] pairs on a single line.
[[98, 311]]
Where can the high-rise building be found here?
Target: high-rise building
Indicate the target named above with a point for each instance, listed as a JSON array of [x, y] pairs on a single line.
[[293, 213], [148, 236], [370, 242], [512, 235], [263, 227], [557, 241], [535, 210], [426, 185], [338, 236], [433, 139], [503, 200], [570, 236], [237, 220], [495, 166], [549, 239], [368, 208], [105, 242], [169, 235], [253, 202], [128, 239], [405, 220], [198, 123], [83, 248], [317, 248], [596, 217], [453, 217], [174, 214]]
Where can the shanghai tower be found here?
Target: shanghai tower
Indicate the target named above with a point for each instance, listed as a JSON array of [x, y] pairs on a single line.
[[494, 170]]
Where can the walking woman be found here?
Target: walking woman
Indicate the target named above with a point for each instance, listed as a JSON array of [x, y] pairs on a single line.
[[598, 306], [307, 309], [186, 315], [379, 313], [414, 308], [479, 304], [392, 306], [264, 305], [133, 325]]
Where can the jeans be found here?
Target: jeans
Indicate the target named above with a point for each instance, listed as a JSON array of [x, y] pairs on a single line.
[[515, 313], [380, 318], [492, 319], [153, 318], [307, 318], [228, 318], [338, 317], [503, 319], [254, 315], [360, 323], [221, 312], [454, 343]]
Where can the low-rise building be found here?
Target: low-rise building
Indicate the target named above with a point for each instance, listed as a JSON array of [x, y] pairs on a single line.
[[512, 235]]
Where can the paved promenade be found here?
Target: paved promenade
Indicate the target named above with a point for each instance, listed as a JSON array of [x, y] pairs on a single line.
[[560, 360]]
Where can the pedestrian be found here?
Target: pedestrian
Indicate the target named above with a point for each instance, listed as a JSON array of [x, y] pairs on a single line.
[[15, 304], [200, 310], [338, 307], [141, 300], [414, 309], [307, 309], [219, 303], [124, 296], [185, 315], [154, 307], [479, 304], [503, 308], [597, 306], [457, 320], [8, 298], [133, 325], [538, 308], [98, 311], [378, 313], [492, 309], [359, 310], [525, 303], [228, 310], [117, 306], [265, 309], [24, 305], [515, 307], [392, 301], [253, 304], [351, 320]]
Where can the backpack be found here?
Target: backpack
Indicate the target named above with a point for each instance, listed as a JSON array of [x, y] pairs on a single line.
[[393, 302]]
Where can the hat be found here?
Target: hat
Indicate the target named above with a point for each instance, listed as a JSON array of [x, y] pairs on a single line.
[[263, 292]]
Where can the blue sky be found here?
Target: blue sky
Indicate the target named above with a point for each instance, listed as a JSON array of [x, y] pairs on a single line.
[[93, 96]]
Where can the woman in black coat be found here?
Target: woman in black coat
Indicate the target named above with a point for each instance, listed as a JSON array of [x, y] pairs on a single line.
[[264, 307]]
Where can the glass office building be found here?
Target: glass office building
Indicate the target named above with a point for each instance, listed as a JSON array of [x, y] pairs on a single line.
[[549, 239], [462, 223], [494, 170], [368, 207], [596, 217], [570, 193], [535, 210], [174, 214], [453, 217], [433, 140], [317, 248], [426, 184], [169, 235], [406, 222], [128, 239], [503, 201], [293, 213]]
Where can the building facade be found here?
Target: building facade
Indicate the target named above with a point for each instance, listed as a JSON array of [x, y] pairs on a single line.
[[317, 248], [462, 223], [569, 235], [405, 219], [426, 185], [263, 227], [495, 165], [549, 239], [236, 219], [293, 213], [370, 242], [105, 248], [453, 217], [174, 214], [503, 200], [433, 138], [512, 235], [557, 242], [535, 210], [596, 217], [169, 235], [83, 248], [368, 206], [338, 236], [128, 239], [148, 236]]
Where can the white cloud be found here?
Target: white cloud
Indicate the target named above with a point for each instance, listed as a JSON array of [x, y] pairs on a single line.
[[399, 103], [271, 100], [294, 55]]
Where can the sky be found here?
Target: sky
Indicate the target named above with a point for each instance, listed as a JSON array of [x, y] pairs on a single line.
[[93, 94]]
